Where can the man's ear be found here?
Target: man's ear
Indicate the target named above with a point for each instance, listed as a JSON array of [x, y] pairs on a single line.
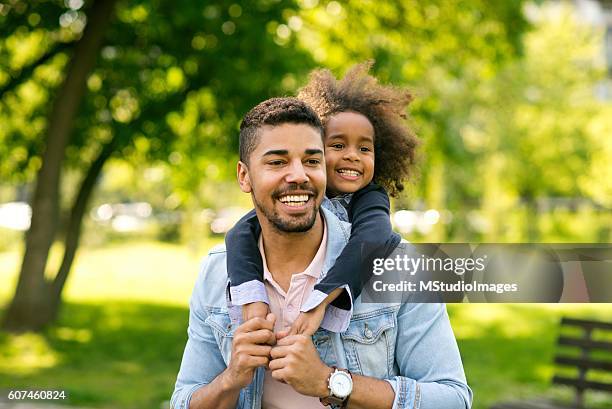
[[243, 177]]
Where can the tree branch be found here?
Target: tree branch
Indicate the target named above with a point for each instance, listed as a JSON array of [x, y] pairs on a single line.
[[27, 72]]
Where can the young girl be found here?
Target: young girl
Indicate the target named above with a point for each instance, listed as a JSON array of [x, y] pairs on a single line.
[[368, 148]]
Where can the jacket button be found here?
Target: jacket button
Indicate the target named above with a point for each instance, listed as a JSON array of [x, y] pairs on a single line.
[[368, 333]]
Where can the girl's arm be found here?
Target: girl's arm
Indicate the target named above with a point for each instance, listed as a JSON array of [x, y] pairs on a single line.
[[369, 214], [244, 263]]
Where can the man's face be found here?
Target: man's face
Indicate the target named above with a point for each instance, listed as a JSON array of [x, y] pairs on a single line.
[[286, 176]]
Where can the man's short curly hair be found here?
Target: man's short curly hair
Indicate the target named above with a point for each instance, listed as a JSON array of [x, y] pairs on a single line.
[[385, 107], [273, 111]]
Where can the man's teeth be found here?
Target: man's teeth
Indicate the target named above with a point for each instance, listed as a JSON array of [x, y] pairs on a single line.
[[294, 200], [348, 172]]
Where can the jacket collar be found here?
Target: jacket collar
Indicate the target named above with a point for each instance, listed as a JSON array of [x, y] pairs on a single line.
[[338, 233]]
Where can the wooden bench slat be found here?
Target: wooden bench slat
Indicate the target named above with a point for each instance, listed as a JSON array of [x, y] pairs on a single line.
[[583, 363], [586, 323], [585, 343], [586, 363], [580, 384]]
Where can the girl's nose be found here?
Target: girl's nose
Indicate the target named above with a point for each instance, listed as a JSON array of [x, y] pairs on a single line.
[[351, 155]]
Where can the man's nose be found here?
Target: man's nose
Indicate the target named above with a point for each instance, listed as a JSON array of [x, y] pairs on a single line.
[[297, 173]]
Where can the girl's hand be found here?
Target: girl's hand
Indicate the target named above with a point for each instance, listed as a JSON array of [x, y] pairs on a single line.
[[254, 310], [307, 323]]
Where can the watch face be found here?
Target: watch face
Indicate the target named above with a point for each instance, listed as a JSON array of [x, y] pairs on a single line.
[[341, 384]]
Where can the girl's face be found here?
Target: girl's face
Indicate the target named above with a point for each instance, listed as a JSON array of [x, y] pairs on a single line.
[[349, 152]]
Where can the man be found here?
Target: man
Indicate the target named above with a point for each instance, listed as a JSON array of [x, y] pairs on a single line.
[[391, 356]]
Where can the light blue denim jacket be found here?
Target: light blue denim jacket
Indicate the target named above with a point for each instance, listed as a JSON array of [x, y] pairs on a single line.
[[412, 346]]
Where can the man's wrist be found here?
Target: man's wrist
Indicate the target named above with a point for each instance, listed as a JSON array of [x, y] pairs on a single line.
[[324, 382], [228, 382]]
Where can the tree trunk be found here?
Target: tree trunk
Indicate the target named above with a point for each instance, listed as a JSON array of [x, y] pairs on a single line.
[[532, 230], [29, 309], [75, 222]]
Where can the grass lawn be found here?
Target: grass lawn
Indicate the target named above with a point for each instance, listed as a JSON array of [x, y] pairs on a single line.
[[122, 331]]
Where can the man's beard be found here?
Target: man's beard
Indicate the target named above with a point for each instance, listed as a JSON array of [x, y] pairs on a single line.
[[290, 224]]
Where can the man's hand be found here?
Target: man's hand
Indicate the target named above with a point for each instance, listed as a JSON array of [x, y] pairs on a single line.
[[307, 323], [254, 310], [251, 348], [296, 362]]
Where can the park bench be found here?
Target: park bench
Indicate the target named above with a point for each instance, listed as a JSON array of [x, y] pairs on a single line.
[[589, 359]]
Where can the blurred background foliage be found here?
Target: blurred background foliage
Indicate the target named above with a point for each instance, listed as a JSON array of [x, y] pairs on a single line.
[[506, 108], [513, 108]]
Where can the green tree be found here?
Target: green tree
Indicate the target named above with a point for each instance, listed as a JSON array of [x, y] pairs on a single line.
[[171, 75], [543, 136]]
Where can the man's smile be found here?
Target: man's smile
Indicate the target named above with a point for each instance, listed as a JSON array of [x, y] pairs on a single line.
[[295, 201]]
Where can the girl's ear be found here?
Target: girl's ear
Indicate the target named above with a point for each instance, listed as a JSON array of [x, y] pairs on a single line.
[[244, 180]]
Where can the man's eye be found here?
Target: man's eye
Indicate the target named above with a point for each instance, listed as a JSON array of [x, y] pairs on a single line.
[[275, 162], [313, 161]]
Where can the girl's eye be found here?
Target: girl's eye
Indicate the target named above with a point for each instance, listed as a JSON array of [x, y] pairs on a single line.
[[365, 149], [337, 146]]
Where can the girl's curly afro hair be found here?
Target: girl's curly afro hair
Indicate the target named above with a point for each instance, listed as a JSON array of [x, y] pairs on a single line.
[[384, 106]]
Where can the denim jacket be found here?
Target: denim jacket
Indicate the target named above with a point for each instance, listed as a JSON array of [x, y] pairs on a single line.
[[412, 346]]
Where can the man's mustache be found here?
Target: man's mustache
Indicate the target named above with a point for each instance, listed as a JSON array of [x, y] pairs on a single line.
[[294, 187]]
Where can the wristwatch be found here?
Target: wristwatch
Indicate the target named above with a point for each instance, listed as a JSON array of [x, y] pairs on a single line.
[[340, 385]]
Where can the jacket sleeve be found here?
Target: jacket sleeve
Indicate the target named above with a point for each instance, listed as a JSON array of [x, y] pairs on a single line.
[[202, 359], [430, 367], [369, 214]]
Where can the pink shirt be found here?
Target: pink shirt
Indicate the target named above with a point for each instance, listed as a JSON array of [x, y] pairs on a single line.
[[286, 308]]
